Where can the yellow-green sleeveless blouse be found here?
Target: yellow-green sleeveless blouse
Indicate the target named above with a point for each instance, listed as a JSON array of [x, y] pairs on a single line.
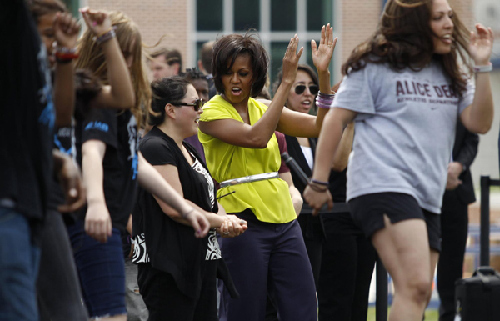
[[269, 199]]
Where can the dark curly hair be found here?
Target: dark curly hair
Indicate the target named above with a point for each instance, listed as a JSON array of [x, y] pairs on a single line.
[[228, 48], [164, 91], [403, 39]]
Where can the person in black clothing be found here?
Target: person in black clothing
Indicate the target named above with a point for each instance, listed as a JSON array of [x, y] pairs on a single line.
[[342, 258], [176, 272], [27, 119], [106, 148], [59, 295], [200, 83], [301, 98], [454, 219]]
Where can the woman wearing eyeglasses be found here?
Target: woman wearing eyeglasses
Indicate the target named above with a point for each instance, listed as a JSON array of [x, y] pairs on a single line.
[[176, 271], [237, 133]]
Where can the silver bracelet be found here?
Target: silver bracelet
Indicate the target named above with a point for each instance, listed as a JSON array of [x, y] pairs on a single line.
[[486, 68], [105, 36]]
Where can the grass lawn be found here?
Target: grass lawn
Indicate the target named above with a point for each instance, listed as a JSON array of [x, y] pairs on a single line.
[[430, 314]]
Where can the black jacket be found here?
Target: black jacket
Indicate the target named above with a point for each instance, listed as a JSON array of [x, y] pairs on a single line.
[[464, 152]]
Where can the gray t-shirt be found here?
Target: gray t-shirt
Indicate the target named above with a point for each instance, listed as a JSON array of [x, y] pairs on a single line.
[[404, 131]]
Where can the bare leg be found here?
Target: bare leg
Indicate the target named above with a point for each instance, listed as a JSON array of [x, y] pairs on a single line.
[[404, 250]]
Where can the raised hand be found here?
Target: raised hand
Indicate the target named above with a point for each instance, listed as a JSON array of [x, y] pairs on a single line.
[[291, 60], [322, 54], [481, 45], [66, 29], [97, 21]]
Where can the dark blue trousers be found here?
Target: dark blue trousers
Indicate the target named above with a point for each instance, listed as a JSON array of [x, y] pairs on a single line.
[[19, 260], [269, 257]]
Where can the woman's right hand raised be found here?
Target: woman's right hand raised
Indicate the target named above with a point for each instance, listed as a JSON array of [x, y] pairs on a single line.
[[322, 54], [97, 21], [291, 60]]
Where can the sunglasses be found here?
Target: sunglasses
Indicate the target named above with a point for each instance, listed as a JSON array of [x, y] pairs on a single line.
[[313, 89], [197, 105]]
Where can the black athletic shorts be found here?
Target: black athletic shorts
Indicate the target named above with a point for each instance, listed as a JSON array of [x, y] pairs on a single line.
[[368, 213]]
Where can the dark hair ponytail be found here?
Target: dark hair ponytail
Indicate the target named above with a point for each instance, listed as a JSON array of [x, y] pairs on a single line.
[[166, 90]]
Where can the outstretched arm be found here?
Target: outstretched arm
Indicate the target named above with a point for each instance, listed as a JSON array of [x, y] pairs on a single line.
[[151, 180], [257, 135], [303, 125]]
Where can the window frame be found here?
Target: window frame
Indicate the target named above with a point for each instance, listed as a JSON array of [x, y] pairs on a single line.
[[266, 35]]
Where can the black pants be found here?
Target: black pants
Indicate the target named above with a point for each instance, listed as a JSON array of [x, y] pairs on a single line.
[[59, 292], [348, 258], [454, 223], [166, 302], [312, 232]]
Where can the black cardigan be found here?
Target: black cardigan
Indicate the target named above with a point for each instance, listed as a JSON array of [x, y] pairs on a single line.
[[171, 246]]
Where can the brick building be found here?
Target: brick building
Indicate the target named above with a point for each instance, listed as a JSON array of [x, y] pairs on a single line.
[[186, 24]]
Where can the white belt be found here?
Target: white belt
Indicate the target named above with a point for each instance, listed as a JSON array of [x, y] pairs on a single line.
[[249, 179]]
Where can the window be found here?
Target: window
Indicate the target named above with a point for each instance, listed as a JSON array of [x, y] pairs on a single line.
[[283, 15], [246, 15], [276, 54], [209, 15], [275, 22], [319, 13], [73, 6]]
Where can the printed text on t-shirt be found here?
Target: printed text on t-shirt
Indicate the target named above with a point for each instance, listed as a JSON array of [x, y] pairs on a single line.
[[424, 92]]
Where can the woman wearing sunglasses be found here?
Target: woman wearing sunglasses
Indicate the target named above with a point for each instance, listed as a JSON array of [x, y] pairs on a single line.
[[177, 272], [237, 133], [331, 237], [301, 98]]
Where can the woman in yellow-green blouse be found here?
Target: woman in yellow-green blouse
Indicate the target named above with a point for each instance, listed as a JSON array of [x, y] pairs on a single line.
[[237, 133]]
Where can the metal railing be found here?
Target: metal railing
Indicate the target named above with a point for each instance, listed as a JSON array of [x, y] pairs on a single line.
[[486, 183]]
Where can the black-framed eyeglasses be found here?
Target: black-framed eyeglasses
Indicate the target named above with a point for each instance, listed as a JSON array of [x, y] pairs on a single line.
[[196, 104], [313, 89]]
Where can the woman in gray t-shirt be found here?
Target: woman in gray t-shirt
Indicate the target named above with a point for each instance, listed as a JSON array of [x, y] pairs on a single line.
[[404, 89]]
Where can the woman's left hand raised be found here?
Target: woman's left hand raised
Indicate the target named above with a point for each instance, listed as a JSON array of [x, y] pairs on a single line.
[[322, 54], [481, 45]]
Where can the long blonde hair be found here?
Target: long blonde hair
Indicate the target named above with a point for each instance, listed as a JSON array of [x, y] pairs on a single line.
[[92, 57]]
